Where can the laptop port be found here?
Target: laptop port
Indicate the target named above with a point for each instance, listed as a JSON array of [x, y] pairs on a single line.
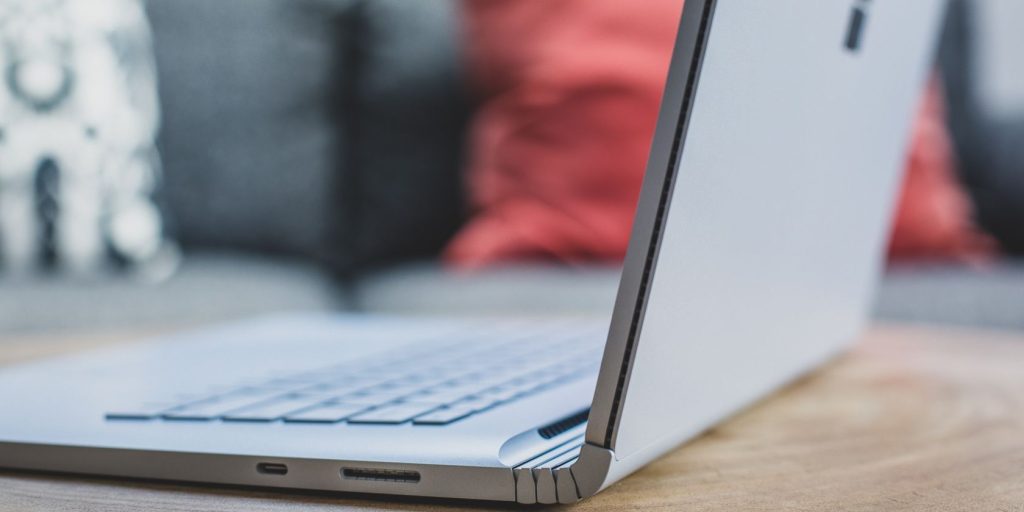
[[271, 468], [381, 475]]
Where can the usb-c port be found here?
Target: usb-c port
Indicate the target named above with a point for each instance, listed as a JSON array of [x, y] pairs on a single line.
[[270, 468]]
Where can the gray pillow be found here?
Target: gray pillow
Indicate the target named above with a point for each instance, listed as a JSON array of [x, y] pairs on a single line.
[[408, 113], [252, 138], [990, 151]]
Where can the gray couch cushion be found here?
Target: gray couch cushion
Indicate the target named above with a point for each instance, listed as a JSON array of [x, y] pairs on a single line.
[[209, 288], [427, 289], [408, 113], [992, 298], [251, 139], [998, 181]]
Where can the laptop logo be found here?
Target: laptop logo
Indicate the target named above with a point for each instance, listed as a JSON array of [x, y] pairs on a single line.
[[858, 23]]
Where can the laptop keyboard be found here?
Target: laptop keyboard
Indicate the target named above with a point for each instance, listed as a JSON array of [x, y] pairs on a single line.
[[429, 386]]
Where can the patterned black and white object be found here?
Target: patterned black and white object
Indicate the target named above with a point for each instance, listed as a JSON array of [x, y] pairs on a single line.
[[79, 116]]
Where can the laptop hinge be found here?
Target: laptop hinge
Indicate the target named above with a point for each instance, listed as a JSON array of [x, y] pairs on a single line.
[[565, 477]]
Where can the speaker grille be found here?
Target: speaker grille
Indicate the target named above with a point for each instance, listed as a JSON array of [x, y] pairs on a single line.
[[564, 425]]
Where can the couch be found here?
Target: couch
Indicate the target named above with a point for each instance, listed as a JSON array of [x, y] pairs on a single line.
[[312, 151]]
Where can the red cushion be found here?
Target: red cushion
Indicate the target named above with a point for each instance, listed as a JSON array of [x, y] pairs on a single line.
[[570, 94]]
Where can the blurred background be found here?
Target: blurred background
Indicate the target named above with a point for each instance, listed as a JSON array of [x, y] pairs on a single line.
[[172, 163]]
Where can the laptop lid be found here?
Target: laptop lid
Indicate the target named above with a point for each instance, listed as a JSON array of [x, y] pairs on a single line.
[[765, 208]]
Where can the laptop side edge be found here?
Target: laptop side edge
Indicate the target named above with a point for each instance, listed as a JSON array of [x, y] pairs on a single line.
[[596, 458]]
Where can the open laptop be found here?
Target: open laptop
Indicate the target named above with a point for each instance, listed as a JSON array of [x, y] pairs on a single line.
[[759, 234]]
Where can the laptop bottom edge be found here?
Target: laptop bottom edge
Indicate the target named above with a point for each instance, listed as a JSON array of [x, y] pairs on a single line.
[[280, 473]]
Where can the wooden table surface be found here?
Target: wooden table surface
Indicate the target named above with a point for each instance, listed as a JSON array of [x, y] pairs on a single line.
[[911, 419]]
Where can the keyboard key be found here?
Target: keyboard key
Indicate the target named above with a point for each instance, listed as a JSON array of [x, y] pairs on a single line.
[[317, 397], [375, 397], [338, 389], [332, 413], [445, 395], [477, 403], [444, 416], [144, 412], [392, 414], [399, 391], [209, 410], [269, 411], [502, 394]]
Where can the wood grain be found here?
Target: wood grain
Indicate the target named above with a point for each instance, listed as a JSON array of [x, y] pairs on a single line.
[[911, 419]]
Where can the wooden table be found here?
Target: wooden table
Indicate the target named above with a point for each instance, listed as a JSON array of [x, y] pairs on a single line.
[[912, 419]]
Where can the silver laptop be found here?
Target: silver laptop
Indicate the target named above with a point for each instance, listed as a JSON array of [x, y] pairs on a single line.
[[759, 234]]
